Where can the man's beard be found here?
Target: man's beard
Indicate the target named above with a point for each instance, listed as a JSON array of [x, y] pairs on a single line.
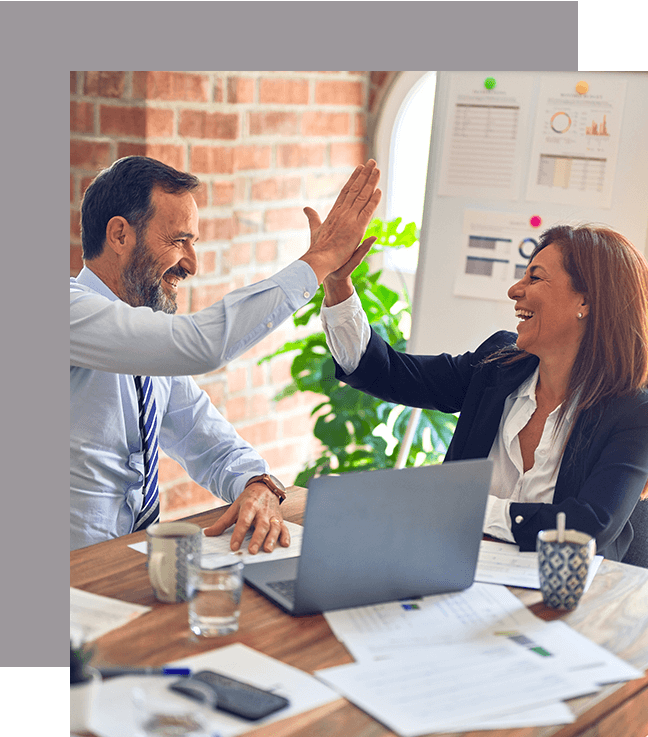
[[142, 285]]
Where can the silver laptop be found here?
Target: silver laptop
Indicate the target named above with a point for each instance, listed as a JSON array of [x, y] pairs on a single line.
[[382, 535]]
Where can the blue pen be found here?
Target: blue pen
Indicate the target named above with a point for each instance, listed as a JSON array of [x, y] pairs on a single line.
[[148, 671]]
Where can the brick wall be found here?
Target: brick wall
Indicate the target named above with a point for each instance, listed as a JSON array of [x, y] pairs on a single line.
[[264, 145]]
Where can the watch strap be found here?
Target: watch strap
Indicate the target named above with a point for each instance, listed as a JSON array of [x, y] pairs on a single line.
[[271, 483]]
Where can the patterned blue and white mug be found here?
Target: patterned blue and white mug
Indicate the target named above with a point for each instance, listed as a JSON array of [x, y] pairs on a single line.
[[563, 566], [171, 549]]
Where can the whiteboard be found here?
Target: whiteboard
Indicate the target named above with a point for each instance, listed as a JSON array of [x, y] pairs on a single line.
[[555, 155]]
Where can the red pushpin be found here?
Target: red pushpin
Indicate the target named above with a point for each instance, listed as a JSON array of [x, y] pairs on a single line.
[[535, 221]]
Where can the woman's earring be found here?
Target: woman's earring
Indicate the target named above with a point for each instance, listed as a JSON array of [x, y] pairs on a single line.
[[580, 316]]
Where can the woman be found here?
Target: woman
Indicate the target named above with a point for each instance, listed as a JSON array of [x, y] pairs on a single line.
[[561, 408]]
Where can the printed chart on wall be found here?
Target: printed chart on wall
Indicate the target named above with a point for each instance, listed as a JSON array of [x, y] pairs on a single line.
[[485, 136], [576, 141], [496, 249]]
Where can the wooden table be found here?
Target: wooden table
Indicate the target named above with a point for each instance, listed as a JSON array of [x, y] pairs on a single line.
[[613, 613]]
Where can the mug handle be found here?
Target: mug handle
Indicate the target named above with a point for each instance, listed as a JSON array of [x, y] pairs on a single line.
[[155, 565]]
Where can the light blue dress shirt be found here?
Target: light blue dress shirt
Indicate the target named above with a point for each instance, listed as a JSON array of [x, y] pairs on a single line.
[[110, 342]]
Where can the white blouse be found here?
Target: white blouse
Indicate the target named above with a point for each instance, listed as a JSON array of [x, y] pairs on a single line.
[[347, 334]]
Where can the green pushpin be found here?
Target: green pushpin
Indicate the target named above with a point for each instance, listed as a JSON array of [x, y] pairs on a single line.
[[489, 83]]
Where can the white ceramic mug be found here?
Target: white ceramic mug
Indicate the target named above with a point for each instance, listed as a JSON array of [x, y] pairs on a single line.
[[172, 548]]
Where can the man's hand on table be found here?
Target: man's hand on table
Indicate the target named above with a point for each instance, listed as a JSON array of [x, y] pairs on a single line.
[[257, 507]]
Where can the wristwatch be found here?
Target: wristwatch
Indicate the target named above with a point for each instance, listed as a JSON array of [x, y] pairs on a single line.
[[272, 482]]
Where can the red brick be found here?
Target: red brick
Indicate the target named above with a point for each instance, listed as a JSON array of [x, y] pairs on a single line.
[[81, 117], [169, 470], [248, 221], [136, 121], [339, 93], [171, 86], [378, 78], [238, 254], [236, 409], [319, 186], [183, 299], [89, 154], [201, 195], [237, 380], [280, 370], [351, 154], [201, 124], [222, 193], [266, 251], [261, 405], [259, 376], [73, 82], [212, 160], [165, 152], [184, 494], [275, 123], [287, 218], [297, 426], [75, 224], [285, 455], [216, 392], [296, 155], [288, 404], [276, 188], [72, 195], [260, 433], [240, 89], [217, 229], [296, 246], [104, 84], [219, 91], [252, 157], [283, 91], [360, 125], [206, 295], [85, 183], [325, 124], [76, 259], [207, 262]]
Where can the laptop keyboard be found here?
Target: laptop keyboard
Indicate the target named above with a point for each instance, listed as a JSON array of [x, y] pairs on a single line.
[[285, 588]]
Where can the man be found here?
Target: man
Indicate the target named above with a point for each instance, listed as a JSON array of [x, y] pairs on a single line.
[[132, 358]]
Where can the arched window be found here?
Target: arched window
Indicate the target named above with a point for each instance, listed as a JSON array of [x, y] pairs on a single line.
[[402, 146]]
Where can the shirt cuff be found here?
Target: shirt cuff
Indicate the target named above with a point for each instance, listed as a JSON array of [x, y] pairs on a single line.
[[298, 281], [497, 519], [342, 312], [347, 332]]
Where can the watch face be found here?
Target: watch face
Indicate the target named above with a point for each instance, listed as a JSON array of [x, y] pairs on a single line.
[[277, 482]]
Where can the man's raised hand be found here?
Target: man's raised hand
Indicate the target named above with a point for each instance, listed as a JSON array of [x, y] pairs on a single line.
[[335, 241]]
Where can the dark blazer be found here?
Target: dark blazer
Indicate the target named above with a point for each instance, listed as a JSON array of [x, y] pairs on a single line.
[[605, 464]]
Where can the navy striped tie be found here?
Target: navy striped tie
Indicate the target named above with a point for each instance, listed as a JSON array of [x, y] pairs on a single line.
[[150, 511]]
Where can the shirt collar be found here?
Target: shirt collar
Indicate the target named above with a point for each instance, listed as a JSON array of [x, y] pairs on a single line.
[[527, 388], [88, 278]]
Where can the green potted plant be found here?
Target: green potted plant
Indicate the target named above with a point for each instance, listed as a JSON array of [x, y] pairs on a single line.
[[84, 682], [358, 431]]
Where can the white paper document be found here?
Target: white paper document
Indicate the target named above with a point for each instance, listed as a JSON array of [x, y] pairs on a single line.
[[445, 689], [385, 630], [412, 633], [495, 252], [504, 563], [576, 140], [219, 546], [92, 615], [484, 140], [114, 714]]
